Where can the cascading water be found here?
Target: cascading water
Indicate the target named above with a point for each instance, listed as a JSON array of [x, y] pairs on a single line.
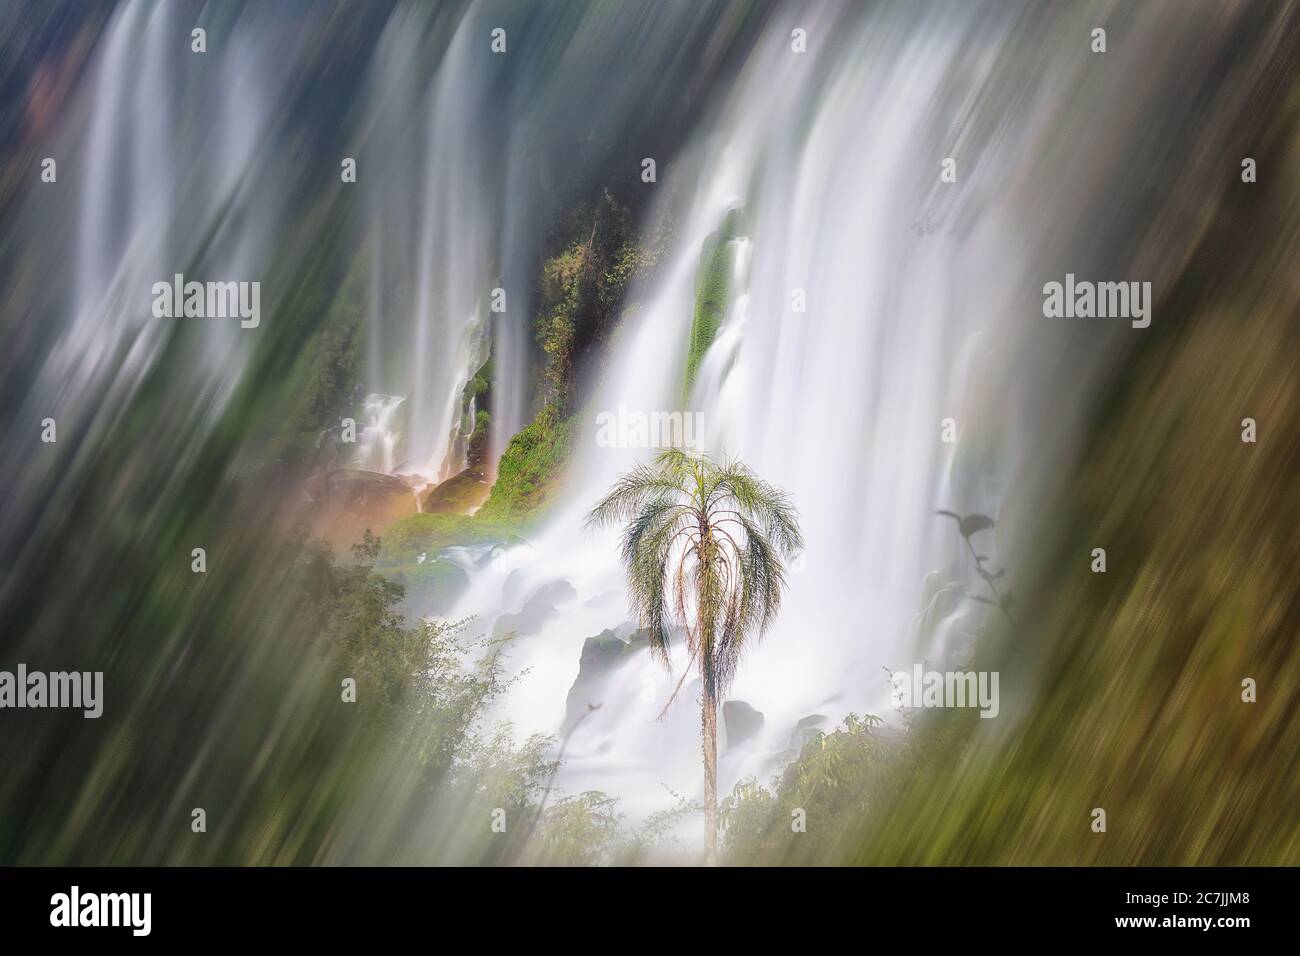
[[476, 161], [167, 180], [832, 161], [377, 444], [437, 202], [825, 181]]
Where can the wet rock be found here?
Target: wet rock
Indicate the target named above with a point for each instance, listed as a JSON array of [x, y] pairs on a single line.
[[740, 721], [806, 729], [537, 610], [601, 656], [460, 494], [349, 501]]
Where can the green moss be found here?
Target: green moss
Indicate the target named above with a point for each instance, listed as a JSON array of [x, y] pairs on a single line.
[[482, 422], [481, 384], [712, 291], [584, 284], [530, 467], [460, 494]]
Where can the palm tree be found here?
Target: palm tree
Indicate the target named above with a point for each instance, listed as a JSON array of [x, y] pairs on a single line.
[[703, 544]]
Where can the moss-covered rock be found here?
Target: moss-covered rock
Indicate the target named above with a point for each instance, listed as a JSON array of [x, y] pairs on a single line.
[[469, 435], [530, 467], [464, 492], [713, 281], [584, 283], [461, 494]]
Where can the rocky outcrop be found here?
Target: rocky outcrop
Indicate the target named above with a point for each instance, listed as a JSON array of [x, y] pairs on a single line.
[[740, 721], [347, 502], [601, 656], [462, 494], [807, 728], [537, 610]]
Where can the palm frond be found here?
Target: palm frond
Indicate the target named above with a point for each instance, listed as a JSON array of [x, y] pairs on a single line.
[[648, 544], [739, 489], [631, 493], [703, 545]]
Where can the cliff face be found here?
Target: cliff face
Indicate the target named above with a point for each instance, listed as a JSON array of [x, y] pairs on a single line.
[[598, 251]]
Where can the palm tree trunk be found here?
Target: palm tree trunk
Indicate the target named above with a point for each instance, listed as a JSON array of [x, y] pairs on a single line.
[[709, 723]]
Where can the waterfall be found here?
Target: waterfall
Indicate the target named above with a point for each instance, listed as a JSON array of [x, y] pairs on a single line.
[[380, 435], [922, 304], [469, 161], [436, 320], [173, 167]]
